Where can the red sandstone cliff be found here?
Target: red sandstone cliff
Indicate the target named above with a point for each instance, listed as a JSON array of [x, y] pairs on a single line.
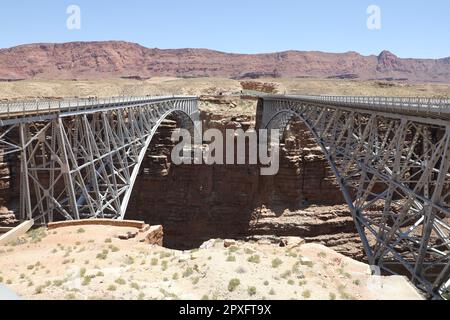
[[91, 60]]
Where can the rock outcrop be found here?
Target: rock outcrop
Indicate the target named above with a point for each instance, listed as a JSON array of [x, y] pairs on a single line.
[[114, 59]]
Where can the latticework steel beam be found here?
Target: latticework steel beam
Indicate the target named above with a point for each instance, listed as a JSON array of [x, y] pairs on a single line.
[[82, 161], [393, 169]]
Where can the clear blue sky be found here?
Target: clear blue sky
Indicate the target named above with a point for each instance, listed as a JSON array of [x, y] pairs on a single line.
[[409, 28]]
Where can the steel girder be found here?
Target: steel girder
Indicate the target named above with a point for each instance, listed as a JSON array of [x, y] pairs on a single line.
[[393, 170], [83, 163]]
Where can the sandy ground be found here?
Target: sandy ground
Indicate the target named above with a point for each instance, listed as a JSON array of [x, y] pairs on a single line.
[[31, 89], [90, 263]]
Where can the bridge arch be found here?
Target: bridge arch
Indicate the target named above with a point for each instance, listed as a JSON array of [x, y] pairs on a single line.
[[393, 171], [184, 120]]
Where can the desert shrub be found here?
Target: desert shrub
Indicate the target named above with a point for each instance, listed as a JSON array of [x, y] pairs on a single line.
[[276, 263], [86, 281], [306, 294], [70, 296], [251, 291], [154, 262], [18, 242], [233, 249], [39, 289], [37, 235], [165, 255], [292, 254], [81, 230], [249, 251], [343, 294], [188, 272], [112, 288], [58, 283], [135, 286], [254, 259], [231, 259], [103, 255], [233, 284], [120, 281]]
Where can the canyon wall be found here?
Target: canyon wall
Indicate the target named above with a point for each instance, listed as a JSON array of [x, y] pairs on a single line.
[[195, 203], [114, 59]]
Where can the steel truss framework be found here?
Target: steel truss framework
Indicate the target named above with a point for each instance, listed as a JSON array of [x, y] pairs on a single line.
[[82, 162], [393, 169]]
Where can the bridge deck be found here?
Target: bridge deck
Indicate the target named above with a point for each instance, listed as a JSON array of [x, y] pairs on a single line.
[[44, 108], [423, 107]]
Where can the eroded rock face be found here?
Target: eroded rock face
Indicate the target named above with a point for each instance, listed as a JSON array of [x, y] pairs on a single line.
[[195, 203], [7, 217], [267, 87], [387, 61], [113, 59]]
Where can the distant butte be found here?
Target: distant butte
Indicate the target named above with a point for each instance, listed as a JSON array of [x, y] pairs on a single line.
[[116, 59]]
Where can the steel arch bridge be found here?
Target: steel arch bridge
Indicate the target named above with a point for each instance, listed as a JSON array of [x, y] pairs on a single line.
[[390, 154], [80, 159]]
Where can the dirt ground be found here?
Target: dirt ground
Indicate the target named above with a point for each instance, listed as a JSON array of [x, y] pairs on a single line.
[[91, 263], [31, 89]]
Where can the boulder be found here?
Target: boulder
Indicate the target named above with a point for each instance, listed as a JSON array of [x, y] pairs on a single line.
[[154, 236], [228, 243]]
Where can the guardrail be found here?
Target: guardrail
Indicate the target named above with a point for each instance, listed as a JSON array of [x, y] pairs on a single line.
[[26, 108], [426, 107]]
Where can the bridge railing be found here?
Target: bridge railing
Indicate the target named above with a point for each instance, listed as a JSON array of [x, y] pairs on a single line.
[[24, 108], [415, 104]]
